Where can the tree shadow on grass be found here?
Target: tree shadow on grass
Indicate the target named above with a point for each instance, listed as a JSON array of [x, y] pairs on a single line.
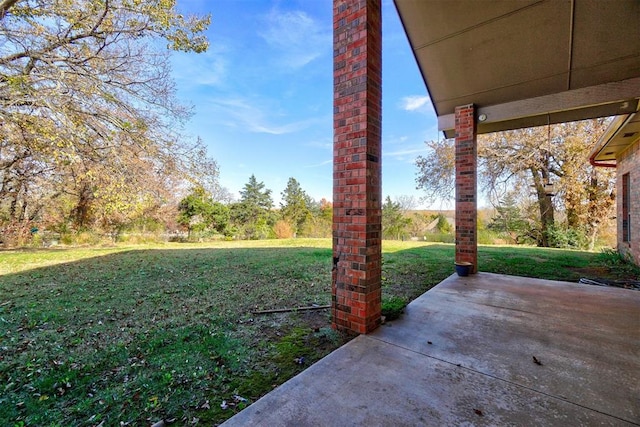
[[143, 335]]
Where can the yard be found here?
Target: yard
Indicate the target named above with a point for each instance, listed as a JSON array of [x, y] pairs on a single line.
[[134, 335]]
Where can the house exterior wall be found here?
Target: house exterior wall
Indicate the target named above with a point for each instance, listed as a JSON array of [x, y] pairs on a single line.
[[629, 163]]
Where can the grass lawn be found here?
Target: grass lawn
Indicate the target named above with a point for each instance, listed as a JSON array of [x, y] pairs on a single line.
[[132, 335]]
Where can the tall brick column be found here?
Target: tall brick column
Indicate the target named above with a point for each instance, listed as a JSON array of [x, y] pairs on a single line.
[[466, 185], [357, 194]]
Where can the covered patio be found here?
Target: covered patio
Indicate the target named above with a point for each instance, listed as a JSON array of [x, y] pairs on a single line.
[[486, 349], [463, 354], [487, 67]]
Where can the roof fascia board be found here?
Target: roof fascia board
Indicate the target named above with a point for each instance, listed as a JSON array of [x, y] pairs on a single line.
[[608, 99]]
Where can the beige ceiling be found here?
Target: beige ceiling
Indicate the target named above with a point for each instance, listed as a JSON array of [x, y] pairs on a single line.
[[526, 63]]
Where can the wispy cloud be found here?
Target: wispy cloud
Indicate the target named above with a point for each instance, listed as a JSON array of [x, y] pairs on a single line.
[[419, 103], [298, 37], [389, 140], [405, 153], [254, 116]]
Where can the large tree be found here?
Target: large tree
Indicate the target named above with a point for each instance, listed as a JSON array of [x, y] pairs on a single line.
[[252, 215], [198, 212], [394, 222], [295, 205], [87, 105], [525, 161]]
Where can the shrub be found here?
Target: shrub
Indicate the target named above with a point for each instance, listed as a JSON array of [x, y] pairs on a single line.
[[393, 307], [489, 237], [283, 230], [567, 238], [622, 263], [17, 233]]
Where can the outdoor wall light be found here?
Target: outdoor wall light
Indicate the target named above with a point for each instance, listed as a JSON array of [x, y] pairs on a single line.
[[482, 117]]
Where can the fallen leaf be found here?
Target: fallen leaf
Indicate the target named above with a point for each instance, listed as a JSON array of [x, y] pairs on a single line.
[[478, 412], [536, 361]]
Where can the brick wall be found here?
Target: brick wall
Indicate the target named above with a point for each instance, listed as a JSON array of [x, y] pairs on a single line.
[[629, 162], [357, 159], [466, 185]]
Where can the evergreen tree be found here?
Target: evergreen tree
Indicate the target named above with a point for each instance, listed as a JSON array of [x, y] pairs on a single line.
[[443, 225], [394, 223], [253, 215], [295, 205], [509, 219]]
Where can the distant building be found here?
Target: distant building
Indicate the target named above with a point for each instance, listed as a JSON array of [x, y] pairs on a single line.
[[433, 225]]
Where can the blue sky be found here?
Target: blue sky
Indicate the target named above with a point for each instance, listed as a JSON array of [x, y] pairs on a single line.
[[263, 95]]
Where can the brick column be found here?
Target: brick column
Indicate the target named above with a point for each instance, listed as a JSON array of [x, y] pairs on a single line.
[[466, 186], [357, 193]]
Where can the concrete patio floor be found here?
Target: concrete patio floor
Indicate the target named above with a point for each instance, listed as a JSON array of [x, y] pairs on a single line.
[[463, 354]]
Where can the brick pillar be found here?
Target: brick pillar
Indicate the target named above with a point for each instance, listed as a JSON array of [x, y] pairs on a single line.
[[466, 186], [357, 192]]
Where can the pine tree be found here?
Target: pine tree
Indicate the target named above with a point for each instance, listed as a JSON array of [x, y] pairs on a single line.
[[252, 215], [295, 205]]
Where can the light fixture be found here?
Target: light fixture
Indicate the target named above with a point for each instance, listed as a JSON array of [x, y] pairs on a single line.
[[482, 117]]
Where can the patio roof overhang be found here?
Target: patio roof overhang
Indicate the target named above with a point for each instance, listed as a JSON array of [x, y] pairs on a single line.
[[620, 135], [526, 63]]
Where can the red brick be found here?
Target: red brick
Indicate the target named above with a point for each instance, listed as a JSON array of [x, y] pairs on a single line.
[[357, 185], [466, 185], [628, 162]]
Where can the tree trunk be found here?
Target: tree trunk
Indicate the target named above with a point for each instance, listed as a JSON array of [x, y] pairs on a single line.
[[592, 238], [573, 216], [545, 205], [81, 213]]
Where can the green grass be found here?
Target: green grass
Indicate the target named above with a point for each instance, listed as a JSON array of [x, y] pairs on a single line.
[[133, 335]]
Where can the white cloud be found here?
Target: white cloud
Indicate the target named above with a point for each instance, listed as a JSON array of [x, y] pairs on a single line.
[[254, 116], [416, 103], [298, 37]]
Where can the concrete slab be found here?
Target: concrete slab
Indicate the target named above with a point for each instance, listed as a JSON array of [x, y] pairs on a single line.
[[463, 355]]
